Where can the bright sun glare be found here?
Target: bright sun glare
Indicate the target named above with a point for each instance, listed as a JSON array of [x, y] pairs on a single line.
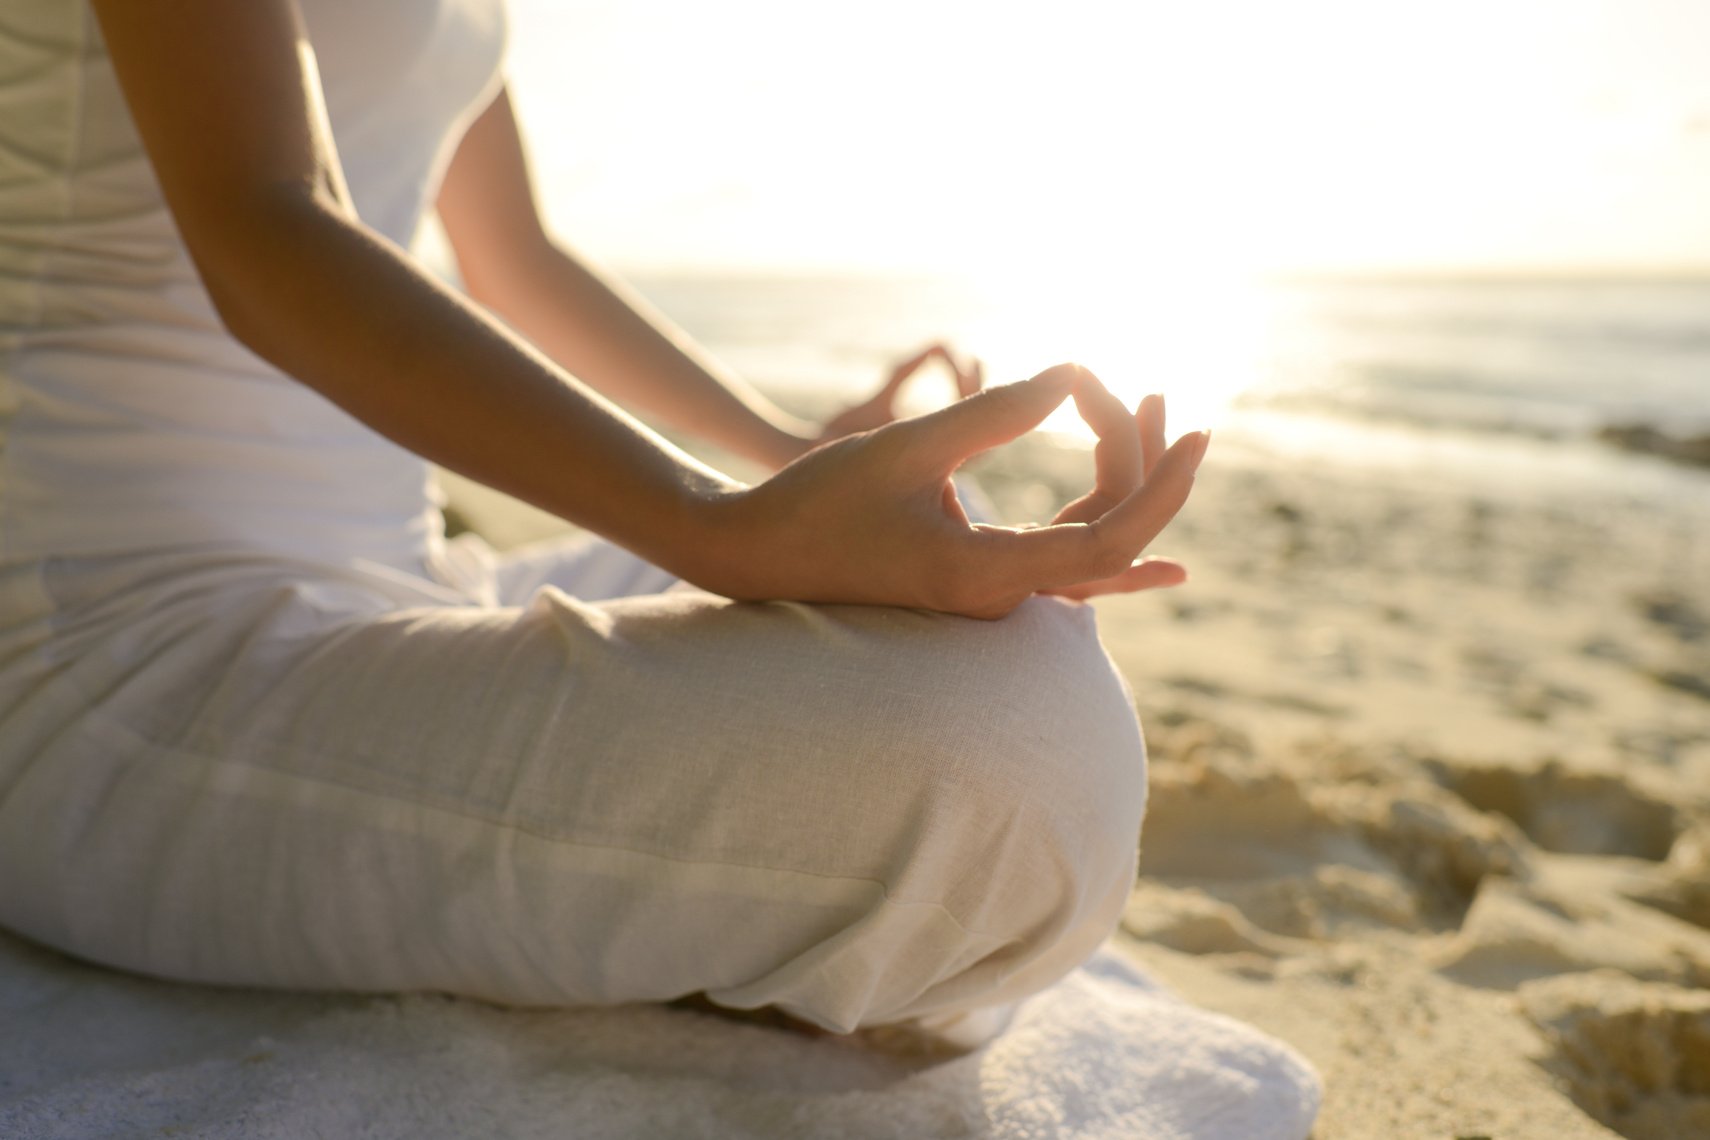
[[1197, 343]]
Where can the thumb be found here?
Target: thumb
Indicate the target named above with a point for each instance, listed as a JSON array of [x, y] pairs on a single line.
[[994, 416]]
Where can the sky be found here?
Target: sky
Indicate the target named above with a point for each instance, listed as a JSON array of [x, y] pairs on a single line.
[[1092, 141]]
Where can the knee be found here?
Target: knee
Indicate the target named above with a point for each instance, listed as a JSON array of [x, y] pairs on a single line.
[[1035, 800], [1060, 744], [991, 793]]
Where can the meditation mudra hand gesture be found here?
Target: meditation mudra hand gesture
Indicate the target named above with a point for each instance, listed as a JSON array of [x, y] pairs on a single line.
[[873, 517]]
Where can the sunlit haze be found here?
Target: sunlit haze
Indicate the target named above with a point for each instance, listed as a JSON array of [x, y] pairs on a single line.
[[1466, 133], [1092, 162]]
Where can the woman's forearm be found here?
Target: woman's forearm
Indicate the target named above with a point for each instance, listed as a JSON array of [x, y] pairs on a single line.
[[327, 301], [613, 339], [597, 329]]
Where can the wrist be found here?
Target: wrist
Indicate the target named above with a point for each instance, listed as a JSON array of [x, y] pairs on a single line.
[[718, 538]]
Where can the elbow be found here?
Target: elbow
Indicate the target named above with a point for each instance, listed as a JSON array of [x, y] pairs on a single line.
[[236, 313], [253, 311], [258, 263]]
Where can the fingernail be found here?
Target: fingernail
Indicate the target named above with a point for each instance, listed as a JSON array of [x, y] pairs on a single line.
[[1204, 442]]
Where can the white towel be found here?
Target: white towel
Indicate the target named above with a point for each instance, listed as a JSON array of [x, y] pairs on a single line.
[[1105, 1054]]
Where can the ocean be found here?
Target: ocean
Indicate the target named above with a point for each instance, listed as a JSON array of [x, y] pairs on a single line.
[[1555, 360], [1476, 379]]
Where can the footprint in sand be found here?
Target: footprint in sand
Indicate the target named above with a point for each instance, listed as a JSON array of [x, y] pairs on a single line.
[[1681, 886], [1562, 923], [1634, 1055], [1566, 810], [1310, 861]]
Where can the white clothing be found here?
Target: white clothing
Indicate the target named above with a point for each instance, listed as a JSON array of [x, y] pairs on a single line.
[[131, 419], [360, 780], [259, 725]]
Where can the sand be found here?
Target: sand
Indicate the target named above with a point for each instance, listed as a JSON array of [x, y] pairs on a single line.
[[1431, 777], [1432, 789]]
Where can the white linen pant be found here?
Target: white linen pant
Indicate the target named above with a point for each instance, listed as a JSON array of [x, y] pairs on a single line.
[[488, 780]]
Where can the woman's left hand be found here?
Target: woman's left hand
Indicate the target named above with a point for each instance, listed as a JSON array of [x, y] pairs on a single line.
[[880, 409], [1125, 457], [874, 519]]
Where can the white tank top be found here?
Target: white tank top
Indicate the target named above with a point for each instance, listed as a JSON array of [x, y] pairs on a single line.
[[130, 420]]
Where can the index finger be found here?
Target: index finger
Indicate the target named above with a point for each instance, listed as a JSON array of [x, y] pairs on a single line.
[[1064, 554], [903, 369], [1151, 417], [972, 379], [1117, 455]]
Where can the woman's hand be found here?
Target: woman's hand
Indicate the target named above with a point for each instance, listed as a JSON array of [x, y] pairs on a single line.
[[1124, 463], [881, 409], [873, 518]]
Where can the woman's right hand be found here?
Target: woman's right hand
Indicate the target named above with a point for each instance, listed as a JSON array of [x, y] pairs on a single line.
[[873, 518]]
